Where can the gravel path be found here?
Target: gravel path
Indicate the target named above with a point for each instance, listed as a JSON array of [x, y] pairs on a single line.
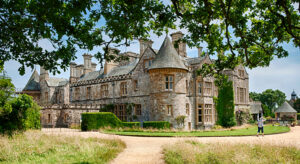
[[149, 149]]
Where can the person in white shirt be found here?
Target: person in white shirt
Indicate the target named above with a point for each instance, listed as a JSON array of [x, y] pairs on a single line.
[[260, 125]]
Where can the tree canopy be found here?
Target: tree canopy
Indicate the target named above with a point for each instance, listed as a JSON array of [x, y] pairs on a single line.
[[248, 32], [269, 99]]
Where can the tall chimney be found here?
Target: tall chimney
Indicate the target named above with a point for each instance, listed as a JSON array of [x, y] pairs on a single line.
[[87, 63], [44, 75], [73, 76], [181, 49], [94, 65], [79, 70], [144, 43], [109, 65], [200, 51]]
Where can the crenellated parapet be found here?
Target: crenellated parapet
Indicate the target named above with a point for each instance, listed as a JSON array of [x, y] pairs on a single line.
[[102, 80]]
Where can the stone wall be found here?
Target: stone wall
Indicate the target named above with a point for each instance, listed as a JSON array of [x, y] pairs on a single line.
[[64, 115]]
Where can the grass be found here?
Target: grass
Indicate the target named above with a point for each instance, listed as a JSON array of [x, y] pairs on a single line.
[[252, 130], [191, 152], [35, 147]]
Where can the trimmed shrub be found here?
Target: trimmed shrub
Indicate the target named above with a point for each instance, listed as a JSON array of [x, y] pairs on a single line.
[[93, 121], [156, 124], [131, 124]]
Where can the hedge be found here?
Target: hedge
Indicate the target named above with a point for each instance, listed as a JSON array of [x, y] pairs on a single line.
[[156, 124], [298, 116], [93, 121], [131, 124]]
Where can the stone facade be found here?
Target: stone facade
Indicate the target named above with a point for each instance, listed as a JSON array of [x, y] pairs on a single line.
[[160, 84]]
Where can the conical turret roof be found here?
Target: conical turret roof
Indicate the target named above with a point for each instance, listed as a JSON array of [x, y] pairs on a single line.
[[33, 83], [167, 57]]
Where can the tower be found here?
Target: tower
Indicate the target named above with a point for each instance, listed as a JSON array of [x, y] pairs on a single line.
[[293, 96], [168, 76]]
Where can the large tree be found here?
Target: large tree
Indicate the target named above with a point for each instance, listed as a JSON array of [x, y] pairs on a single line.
[[297, 105], [244, 32]]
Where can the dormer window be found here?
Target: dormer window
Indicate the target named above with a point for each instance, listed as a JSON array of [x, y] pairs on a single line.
[[147, 63]]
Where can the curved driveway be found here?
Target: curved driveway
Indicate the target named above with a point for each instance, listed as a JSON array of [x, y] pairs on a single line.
[[149, 149]]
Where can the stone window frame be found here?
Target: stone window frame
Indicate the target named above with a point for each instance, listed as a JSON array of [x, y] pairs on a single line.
[[187, 109], [169, 110], [241, 94], [123, 88], [88, 93], [138, 109], [77, 93], [187, 86], [169, 84], [200, 115], [148, 63], [66, 117], [49, 120], [136, 85], [120, 112], [208, 112], [104, 90], [200, 89], [208, 88], [61, 91]]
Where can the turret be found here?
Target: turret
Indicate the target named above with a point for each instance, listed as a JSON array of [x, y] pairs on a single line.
[[181, 49], [167, 78], [294, 96]]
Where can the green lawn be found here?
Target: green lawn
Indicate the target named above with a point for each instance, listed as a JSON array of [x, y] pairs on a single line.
[[35, 147], [269, 129], [192, 152]]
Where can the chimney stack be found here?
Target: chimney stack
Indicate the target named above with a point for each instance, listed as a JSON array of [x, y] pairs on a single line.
[[181, 49], [144, 43], [79, 70], [94, 65], [109, 65], [200, 51], [44, 75], [73, 76], [87, 63]]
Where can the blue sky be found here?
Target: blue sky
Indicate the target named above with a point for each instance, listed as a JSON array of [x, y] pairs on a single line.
[[282, 74]]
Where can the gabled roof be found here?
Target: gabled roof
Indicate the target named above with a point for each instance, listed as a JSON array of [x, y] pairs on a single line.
[[33, 83], [196, 60], [285, 107], [54, 82], [255, 107], [167, 57]]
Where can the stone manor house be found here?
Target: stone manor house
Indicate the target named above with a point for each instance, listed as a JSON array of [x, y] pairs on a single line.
[[161, 84]]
